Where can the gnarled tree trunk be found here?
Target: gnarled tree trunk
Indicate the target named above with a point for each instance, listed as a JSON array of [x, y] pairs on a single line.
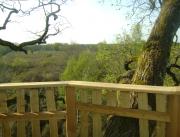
[[151, 65]]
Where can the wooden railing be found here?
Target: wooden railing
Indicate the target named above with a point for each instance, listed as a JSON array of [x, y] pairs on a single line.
[[86, 109]]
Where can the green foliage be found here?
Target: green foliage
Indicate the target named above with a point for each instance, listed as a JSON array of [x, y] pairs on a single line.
[[133, 38], [4, 50], [107, 64], [136, 33], [174, 53], [43, 63], [100, 62], [85, 67]]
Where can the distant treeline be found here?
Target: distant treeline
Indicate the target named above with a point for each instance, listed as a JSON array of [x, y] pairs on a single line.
[[42, 63], [92, 62]]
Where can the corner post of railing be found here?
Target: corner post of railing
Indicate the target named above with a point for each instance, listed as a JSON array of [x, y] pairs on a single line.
[[71, 111], [173, 128]]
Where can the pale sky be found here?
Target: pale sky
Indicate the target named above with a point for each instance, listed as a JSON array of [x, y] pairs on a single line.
[[92, 22], [88, 21], [83, 21]]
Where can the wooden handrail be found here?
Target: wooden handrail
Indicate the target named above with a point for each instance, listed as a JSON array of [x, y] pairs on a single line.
[[171, 117], [97, 85], [127, 87], [32, 84]]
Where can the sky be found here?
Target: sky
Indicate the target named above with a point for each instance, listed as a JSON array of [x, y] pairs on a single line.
[[81, 21], [92, 22], [86, 21]]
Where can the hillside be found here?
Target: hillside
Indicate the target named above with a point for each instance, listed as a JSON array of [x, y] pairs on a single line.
[[53, 62], [42, 63]]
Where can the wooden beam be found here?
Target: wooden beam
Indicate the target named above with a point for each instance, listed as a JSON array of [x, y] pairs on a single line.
[[126, 112], [161, 106], [34, 104], [51, 106], [96, 85], [6, 129], [173, 128], [32, 116], [32, 85], [143, 123], [126, 87], [96, 118], [71, 112], [84, 118], [21, 127]]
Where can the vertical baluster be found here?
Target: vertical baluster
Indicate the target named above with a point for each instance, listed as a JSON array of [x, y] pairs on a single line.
[[143, 124], [173, 127], [161, 106], [84, 115], [71, 112], [51, 106], [20, 108], [97, 121], [111, 98], [6, 129], [34, 104], [123, 99]]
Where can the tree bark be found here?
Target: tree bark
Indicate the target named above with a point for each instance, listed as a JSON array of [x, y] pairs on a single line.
[[152, 64], [153, 61]]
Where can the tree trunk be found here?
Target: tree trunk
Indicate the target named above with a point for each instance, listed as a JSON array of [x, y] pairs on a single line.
[[153, 61], [151, 64]]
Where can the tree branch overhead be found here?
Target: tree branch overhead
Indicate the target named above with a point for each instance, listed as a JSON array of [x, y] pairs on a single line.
[[55, 9]]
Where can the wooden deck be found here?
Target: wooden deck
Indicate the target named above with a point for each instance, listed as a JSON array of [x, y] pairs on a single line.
[[87, 105]]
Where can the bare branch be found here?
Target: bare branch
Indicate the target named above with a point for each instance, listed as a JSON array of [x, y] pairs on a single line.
[[127, 63], [176, 39], [12, 46], [42, 38], [5, 7], [145, 16], [160, 3], [52, 34], [172, 74], [12, 10], [177, 58], [152, 4]]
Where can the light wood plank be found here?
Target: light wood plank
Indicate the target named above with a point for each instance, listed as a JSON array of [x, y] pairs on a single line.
[[97, 85], [143, 124], [161, 106], [84, 124], [51, 106], [34, 104], [21, 131], [31, 85], [126, 87], [97, 121], [123, 99], [127, 112], [111, 98], [71, 112], [6, 129], [32, 116], [173, 128]]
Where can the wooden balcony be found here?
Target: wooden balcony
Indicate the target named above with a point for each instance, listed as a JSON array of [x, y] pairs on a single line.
[[87, 103]]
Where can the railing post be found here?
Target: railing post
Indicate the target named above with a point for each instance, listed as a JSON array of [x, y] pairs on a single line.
[[71, 112], [173, 128]]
